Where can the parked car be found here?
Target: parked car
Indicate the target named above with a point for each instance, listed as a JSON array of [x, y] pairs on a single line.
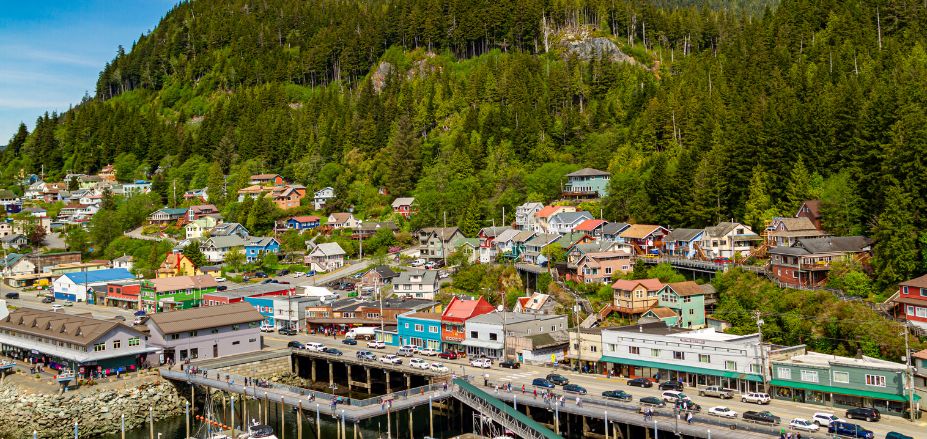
[[575, 388], [120, 318], [481, 362], [673, 396], [266, 327], [48, 299], [374, 344], [283, 272], [310, 273], [510, 364], [222, 288], [824, 419], [896, 435], [286, 331], [12, 295], [429, 352], [671, 385], [722, 411], [332, 351], [56, 307], [270, 281], [295, 345], [418, 363], [867, 413], [366, 355], [406, 351], [620, 395], [716, 391], [349, 341], [756, 398], [761, 418], [430, 265], [448, 355], [315, 347], [652, 401], [558, 379], [440, 368], [541, 382], [260, 274], [390, 359], [418, 263], [68, 303], [640, 382], [220, 279], [849, 430], [803, 425], [298, 274]]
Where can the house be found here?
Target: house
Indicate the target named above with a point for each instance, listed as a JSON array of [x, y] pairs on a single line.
[[533, 248], [178, 292], [591, 227], [420, 284], [612, 231], [635, 297], [229, 229], [36, 211], [687, 301], [199, 211], [108, 173], [166, 215], [41, 262], [404, 206], [290, 311], [542, 217], [124, 261], [485, 335], [784, 232], [420, 329], [919, 363], [208, 332], [11, 261], [643, 238], [454, 319], [321, 197], [80, 343], [253, 192], [729, 241], [586, 183], [177, 264], [304, 222], [684, 243], [811, 209], [536, 303], [525, 215], [74, 286], [575, 253], [439, 242], [469, 248], [911, 301], [257, 246], [377, 277], [342, 220], [603, 267], [519, 244], [126, 294], [585, 350], [659, 314], [326, 257], [565, 222], [541, 349], [487, 250], [197, 194], [135, 188], [10, 202], [196, 229], [239, 293], [502, 244], [288, 196], [14, 241], [807, 262], [216, 247], [266, 179], [367, 229]]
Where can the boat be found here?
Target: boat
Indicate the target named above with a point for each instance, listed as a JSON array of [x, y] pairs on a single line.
[[65, 376], [258, 431], [6, 365]]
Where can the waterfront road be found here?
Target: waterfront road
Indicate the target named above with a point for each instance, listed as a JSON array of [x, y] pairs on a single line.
[[596, 384], [33, 299]]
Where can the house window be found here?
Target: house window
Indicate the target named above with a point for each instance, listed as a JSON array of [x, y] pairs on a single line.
[[634, 350], [691, 312], [702, 358], [593, 348], [418, 328], [99, 347], [654, 352], [875, 380], [493, 336], [407, 326], [433, 329], [679, 355], [809, 376], [215, 330], [910, 310], [473, 334], [608, 270], [611, 347], [175, 336], [234, 327], [730, 365], [754, 368], [133, 341], [783, 373], [841, 377], [192, 333], [921, 312], [117, 344], [194, 353]]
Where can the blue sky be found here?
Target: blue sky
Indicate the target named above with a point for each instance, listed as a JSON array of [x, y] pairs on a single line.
[[52, 51]]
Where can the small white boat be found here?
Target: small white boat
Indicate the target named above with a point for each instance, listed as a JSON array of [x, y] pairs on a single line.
[[65, 376], [6, 365], [258, 431]]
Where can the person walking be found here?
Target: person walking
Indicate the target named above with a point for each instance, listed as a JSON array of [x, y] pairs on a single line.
[[689, 417]]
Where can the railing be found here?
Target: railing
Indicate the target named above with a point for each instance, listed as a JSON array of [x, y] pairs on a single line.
[[402, 394]]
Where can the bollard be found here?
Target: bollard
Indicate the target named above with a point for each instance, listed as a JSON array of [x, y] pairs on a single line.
[[606, 424], [431, 419], [75, 429], [656, 431]]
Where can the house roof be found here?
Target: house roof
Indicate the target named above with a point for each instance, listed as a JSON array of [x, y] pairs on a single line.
[[464, 308], [683, 235], [507, 235], [570, 217], [373, 226], [549, 339], [260, 241], [225, 229], [814, 206], [850, 244], [922, 354], [328, 249], [614, 228], [917, 282], [206, 317], [59, 326], [523, 236], [204, 208], [639, 231], [588, 172], [570, 239], [662, 312], [796, 224], [546, 211], [257, 177], [173, 211], [628, 285], [12, 238], [94, 276], [813, 233], [443, 233], [535, 301], [227, 241], [124, 258], [403, 201], [384, 271], [340, 217], [423, 315], [492, 232], [589, 225], [428, 277], [182, 282], [542, 239], [496, 317], [724, 228], [690, 288]]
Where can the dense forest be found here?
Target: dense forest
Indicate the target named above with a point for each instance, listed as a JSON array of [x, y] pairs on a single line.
[[476, 106]]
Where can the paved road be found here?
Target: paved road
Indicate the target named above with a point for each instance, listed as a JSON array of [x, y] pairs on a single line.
[[137, 234], [33, 299]]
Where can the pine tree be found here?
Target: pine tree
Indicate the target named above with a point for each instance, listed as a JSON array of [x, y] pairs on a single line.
[[895, 256], [216, 186], [841, 205], [192, 251], [759, 206], [404, 157], [799, 187]]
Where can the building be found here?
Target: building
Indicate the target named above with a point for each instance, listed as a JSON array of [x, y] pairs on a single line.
[[534, 246], [519, 245], [585, 350], [124, 293], [288, 196], [541, 218], [197, 228], [911, 301], [602, 267], [729, 240], [342, 220], [257, 246], [200, 211], [643, 238], [696, 357], [420, 284], [420, 329], [919, 363], [124, 261], [216, 247], [341, 315], [238, 294], [439, 242], [487, 248], [82, 344], [177, 264], [635, 297], [321, 197], [75, 286], [179, 292], [586, 183], [454, 319], [326, 257], [687, 301], [486, 336], [208, 332], [611, 232], [367, 229], [807, 262], [785, 232], [304, 222], [811, 209], [229, 229], [684, 243], [266, 179], [502, 244], [166, 216], [525, 215], [566, 222], [591, 227], [548, 348], [536, 303], [290, 311], [14, 241], [377, 277], [404, 206]]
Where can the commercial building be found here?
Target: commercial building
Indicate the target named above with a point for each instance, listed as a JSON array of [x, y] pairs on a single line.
[[75, 286], [454, 319], [238, 294], [421, 329], [487, 333], [179, 292], [208, 332], [586, 349]]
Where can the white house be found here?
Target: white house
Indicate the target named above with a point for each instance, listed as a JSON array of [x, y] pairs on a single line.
[[322, 196], [565, 222], [196, 228], [419, 284], [326, 257], [124, 261], [525, 215], [216, 247], [485, 335], [342, 220], [728, 239]]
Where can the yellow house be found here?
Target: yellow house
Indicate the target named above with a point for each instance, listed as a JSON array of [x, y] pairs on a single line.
[[176, 264]]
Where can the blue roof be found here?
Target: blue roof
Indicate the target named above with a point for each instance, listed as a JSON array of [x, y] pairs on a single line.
[[93, 276]]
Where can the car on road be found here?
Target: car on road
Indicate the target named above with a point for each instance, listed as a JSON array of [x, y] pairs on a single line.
[[803, 425], [286, 331], [266, 327], [310, 273], [406, 351], [270, 281], [846, 429], [283, 272], [68, 303], [349, 341], [756, 398], [716, 391], [673, 396], [418, 363], [448, 355], [558, 379], [390, 359], [763, 417], [439, 368], [867, 413], [481, 362], [56, 307], [298, 274], [541, 382], [220, 279], [315, 347], [12, 295], [722, 411], [418, 263], [222, 288], [652, 401], [575, 388], [366, 355], [510, 364], [260, 274], [619, 395], [897, 435], [429, 352], [374, 344], [824, 419], [332, 351], [48, 299], [430, 265], [295, 345], [671, 385], [640, 382]]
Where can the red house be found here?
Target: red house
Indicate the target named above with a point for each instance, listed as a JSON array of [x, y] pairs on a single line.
[[124, 294], [403, 206], [238, 294], [454, 318], [807, 262], [911, 302], [811, 209]]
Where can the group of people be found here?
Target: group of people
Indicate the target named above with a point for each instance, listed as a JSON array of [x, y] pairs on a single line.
[[788, 434]]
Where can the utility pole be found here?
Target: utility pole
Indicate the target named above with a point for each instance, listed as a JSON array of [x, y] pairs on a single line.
[[909, 373], [579, 342], [443, 235], [759, 330]]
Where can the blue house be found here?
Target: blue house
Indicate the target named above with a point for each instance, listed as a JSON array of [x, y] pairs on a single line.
[[257, 246], [421, 329], [304, 222], [265, 306]]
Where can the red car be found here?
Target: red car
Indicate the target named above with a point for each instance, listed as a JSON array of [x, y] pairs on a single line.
[[448, 355]]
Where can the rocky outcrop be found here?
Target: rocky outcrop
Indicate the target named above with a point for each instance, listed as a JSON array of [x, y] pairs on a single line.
[[378, 78], [589, 48], [98, 414]]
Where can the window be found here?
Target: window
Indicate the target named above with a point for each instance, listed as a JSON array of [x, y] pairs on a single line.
[[493, 336], [234, 327], [875, 380], [102, 347], [691, 312], [473, 334], [192, 333], [433, 329], [418, 328], [608, 270], [654, 352], [634, 350], [194, 353], [795, 274], [730, 365], [809, 376], [841, 377], [611, 347], [921, 312], [175, 336], [910, 311], [702, 358], [183, 354], [215, 330], [117, 344], [755, 368], [593, 348], [133, 341], [236, 342], [783, 373], [679, 355]]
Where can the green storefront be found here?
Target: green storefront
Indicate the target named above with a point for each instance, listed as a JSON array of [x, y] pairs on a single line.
[[174, 293]]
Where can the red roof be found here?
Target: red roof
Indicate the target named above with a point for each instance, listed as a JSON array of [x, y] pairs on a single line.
[[546, 211], [305, 218], [459, 310], [630, 285], [523, 302], [589, 225]]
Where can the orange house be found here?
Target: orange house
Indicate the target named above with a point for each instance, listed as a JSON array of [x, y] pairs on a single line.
[[455, 316]]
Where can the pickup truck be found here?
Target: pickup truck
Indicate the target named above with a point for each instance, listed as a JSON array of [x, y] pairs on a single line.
[[761, 418], [716, 391]]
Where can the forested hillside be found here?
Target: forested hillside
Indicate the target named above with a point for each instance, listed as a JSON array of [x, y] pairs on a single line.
[[473, 106]]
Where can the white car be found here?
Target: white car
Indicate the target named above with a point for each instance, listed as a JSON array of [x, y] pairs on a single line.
[[390, 359], [418, 363], [754, 397], [803, 425], [440, 368], [220, 279], [56, 307], [374, 344], [429, 352], [722, 411], [314, 347], [298, 274], [267, 328], [824, 419], [481, 362], [418, 262]]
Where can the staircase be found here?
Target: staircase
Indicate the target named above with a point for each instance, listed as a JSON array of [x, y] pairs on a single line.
[[512, 420], [700, 253]]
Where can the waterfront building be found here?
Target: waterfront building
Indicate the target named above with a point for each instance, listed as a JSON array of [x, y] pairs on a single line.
[[421, 329], [75, 286], [586, 349], [208, 332], [179, 292], [486, 336], [454, 319]]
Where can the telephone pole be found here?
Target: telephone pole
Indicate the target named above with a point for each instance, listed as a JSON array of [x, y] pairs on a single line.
[[759, 330], [909, 374]]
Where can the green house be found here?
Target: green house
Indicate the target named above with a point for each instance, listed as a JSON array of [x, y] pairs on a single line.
[[687, 300], [178, 292], [841, 382]]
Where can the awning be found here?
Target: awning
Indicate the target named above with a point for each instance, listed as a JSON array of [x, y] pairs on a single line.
[[483, 344], [842, 391], [683, 368]]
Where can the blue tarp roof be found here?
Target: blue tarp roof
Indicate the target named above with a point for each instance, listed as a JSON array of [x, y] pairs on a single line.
[[95, 276]]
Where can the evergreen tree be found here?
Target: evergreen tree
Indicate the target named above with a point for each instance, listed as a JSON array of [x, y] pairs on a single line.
[[799, 187], [216, 186], [404, 156], [841, 205], [895, 256], [759, 206], [192, 251]]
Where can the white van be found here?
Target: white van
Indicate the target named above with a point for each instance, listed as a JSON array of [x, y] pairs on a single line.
[[673, 396], [406, 351], [315, 347]]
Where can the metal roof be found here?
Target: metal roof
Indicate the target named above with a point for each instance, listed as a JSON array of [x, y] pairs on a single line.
[[207, 317]]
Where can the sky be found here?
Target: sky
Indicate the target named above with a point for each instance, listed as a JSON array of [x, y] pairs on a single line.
[[52, 51]]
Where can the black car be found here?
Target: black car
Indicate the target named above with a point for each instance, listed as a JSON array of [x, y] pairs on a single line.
[[295, 344], [867, 413], [12, 295], [640, 382], [286, 331], [222, 288], [574, 388], [283, 272], [761, 418], [260, 274], [671, 385], [846, 429], [558, 380], [350, 341], [269, 281], [332, 351], [541, 382], [620, 395], [48, 299], [511, 364], [652, 401]]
